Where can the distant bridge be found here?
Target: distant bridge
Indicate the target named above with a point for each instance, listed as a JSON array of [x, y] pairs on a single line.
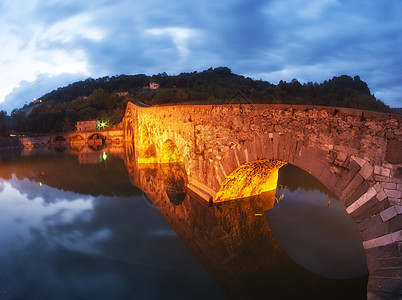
[[220, 151], [75, 139]]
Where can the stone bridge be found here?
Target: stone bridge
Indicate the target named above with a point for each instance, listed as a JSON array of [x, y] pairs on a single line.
[[224, 149], [77, 139]]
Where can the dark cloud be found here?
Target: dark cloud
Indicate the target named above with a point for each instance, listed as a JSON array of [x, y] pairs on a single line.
[[271, 40]]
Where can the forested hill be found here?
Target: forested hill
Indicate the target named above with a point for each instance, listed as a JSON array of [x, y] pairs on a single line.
[[97, 98]]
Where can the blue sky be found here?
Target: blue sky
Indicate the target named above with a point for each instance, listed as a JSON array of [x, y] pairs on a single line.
[[46, 44]]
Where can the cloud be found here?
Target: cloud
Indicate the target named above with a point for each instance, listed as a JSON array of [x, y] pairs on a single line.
[[44, 83], [311, 41]]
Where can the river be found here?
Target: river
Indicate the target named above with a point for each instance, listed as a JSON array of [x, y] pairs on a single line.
[[76, 227]]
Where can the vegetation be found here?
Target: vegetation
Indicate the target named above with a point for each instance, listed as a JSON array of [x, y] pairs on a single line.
[[60, 109]]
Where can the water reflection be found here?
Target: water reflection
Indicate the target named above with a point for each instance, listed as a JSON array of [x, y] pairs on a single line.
[[89, 232], [237, 246], [86, 244]]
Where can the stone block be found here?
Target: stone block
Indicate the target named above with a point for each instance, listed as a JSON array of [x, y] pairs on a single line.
[[395, 223], [378, 170], [308, 163], [369, 222], [241, 155], [292, 150], [366, 170], [281, 147], [348, 175], [287, 147], [267, 143], [359, 161], [359, 210], [388, 214], [246, 153], [392, 193], [388, 185], [395, 201], [275, 145], [251, 154], [261, 145], [328, 178], [360, 191], [351, 187], [386, 251], [341, 157], [388, 262], [380, 241], [377, 187], [397, 236], [381, 195]]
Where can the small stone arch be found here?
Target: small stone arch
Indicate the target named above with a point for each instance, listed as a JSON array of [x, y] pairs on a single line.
[[59, 139], [59, 143], [77, 142], [97, 141]]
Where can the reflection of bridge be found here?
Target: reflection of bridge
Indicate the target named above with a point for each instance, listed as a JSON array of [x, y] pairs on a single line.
[[234, 242], [220, 152]]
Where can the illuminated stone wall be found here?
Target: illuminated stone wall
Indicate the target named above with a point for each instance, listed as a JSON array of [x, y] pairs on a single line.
[[356, 154]]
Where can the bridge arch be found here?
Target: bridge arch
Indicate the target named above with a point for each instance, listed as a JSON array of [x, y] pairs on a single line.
[[59, 138], [77, 142], [59, 143]]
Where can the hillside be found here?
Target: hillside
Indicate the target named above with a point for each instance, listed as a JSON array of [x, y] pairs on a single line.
[[98, 98]]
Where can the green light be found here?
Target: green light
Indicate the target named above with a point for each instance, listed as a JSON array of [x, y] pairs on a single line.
[[104, 156]]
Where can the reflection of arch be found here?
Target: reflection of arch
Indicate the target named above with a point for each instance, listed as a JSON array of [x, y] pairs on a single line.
[[170, 153], [77, 138], [59, 143], [173, 173], [97, 141], [59, 138], [250, 179], [77, 142], [97, 137]]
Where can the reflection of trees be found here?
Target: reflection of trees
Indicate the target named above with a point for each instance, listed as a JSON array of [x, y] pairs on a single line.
[[64, 172], [293, 177]]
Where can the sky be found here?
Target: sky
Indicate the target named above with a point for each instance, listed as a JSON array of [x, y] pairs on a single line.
[[46, 44]]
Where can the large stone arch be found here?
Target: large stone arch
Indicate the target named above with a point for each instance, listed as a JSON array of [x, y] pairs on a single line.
[[353, 180]]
